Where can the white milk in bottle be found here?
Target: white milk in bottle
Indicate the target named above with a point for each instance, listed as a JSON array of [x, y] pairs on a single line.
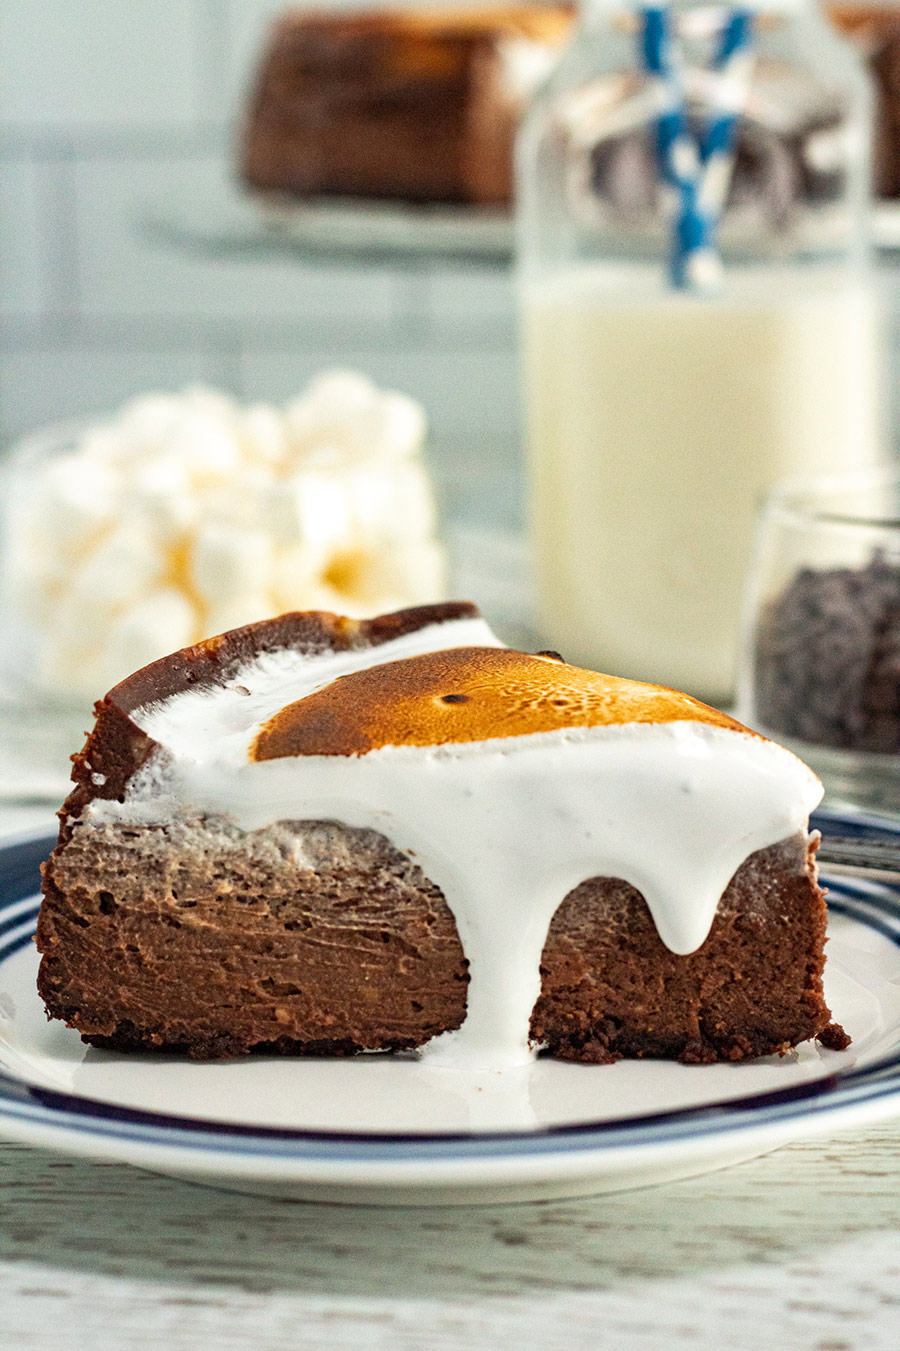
[[658, 421], [662, 403]]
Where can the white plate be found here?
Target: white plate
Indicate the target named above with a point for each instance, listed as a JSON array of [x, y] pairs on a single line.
[[388, 1130]]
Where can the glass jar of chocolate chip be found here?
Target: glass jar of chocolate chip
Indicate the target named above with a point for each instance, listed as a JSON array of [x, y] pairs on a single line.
[[821, 650]]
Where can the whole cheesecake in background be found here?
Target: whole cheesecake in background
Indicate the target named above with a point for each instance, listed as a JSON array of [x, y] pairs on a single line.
[[423, 105], [416, 104], [316, 835], [875, 31]]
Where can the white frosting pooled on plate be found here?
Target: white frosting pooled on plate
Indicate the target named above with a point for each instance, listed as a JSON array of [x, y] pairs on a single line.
[[506, 827]]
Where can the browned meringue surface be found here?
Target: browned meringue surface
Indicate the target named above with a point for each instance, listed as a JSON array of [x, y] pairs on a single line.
[[466, 694]]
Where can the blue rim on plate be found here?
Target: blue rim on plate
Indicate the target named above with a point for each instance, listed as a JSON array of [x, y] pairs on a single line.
[[874, 905]]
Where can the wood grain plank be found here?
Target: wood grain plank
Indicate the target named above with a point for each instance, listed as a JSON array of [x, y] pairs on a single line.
[[797, 1249]]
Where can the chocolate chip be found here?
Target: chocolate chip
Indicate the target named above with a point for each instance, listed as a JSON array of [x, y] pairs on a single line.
[[827, 659]]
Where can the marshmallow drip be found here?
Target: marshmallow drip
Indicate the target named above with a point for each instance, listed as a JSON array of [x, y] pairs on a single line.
[[610, 778]]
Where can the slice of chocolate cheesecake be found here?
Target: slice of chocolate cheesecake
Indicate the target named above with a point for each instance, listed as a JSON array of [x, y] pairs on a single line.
[[321, 836]]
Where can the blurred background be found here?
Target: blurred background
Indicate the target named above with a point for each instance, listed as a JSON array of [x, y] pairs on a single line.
[[111, 113], [131, 260]]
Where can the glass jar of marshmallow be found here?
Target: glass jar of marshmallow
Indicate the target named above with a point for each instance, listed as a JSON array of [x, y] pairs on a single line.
[[186, 515], [698, 319]]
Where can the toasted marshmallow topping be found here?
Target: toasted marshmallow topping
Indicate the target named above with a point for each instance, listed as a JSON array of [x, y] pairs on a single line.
[[544, 776], [225, 722], [465, 694]]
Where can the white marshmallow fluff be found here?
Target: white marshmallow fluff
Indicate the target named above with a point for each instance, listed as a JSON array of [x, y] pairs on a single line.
[[505, 827], [187, 515]]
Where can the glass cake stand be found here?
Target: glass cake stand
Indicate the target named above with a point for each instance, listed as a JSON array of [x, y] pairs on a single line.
[[223, 221]]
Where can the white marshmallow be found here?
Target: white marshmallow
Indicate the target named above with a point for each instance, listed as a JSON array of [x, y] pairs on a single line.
[[74, 653], [371, 493], [70, 503], [187, 508], [82, 631], [419, 572], [32, 591], [339, 418], [162, 622], [324, 512], [311, 511], [390, 503], [103, 444], [372, 582], [414, 502], [159, 498], [61, 667], [121, 569], [263, 434], [211, 403], [403, 425], [281, 513], [342, 389], [227, 562], [32, 577], [145, 423], [295, 579], [206, 447], [344, 417], [163, 475], [232, 612]]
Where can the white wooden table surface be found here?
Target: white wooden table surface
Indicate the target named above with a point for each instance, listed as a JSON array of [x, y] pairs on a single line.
[[798, 1249]]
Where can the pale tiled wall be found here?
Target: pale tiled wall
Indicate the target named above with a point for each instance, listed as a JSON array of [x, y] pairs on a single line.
[[108, 107], [111, 108]]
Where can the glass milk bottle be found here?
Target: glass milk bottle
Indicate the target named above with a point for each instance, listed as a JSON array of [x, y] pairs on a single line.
[[697, 317]]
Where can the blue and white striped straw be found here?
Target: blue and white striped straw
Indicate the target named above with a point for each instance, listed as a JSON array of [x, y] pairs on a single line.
[[698, 170]]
